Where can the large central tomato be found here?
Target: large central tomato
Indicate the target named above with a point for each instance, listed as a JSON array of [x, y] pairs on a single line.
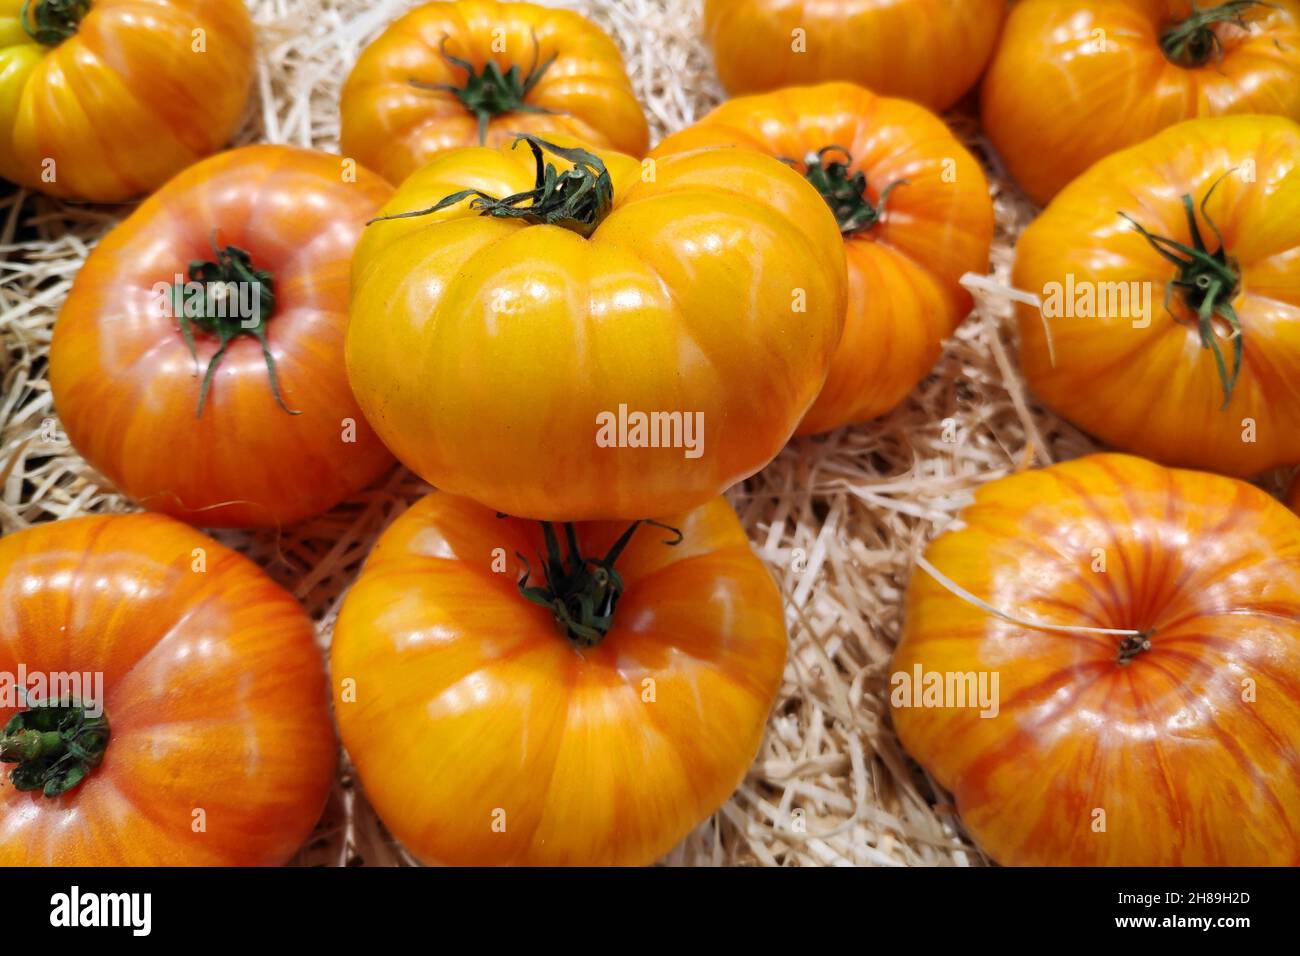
[[505, 344]]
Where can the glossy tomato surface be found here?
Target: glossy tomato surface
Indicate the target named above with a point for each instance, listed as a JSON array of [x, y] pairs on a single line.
[[114, 103], [483, 735], [1183, 755], [930, 51], [418, 89], [1074, 81], [906, 252], [1145, 380], [501, 359], [127, 387], [220, 749]]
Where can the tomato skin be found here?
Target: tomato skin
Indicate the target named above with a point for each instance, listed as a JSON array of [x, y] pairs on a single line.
[[126, 102], [127, 389], [889, 46], [904, 295], [1052, 108], [213, 688], [1293, 496], [1188, 772], [484, 350], [1155, 390], [468, 703], [395, 128]]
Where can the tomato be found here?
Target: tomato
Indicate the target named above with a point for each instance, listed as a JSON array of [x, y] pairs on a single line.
[[1172, 747], [188, 691], [516, 352], [930, 51], [1210, 380], [477, 72], [1074, 81], [105, 101], [489, 728], [915, 213], [1293, 496], [240, 434]]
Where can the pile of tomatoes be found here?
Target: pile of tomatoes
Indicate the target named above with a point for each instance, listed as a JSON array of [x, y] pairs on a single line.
[[567, 653]]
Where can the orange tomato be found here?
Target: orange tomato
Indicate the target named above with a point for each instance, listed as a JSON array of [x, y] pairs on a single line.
[[1154, 379], [106, 100], [187, 691], [1174, 747], [596, 722], [618, 345], [1074, 81], [915, 213], [930, 51], [262, 430], [477, 72]]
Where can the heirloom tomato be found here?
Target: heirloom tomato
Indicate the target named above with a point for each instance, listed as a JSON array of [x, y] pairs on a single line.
[[913, 208], [1171, 743], [514, 693], [477, 72], [198, 360], [1074, 81], [1170, 283], [176, 707], [613, 340], [930, 51], [105, 100]]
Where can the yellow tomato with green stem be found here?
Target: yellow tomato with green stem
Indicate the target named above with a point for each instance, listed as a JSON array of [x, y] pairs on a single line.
[[568, 334], [104, 100], [1169, 275], [516, 693], [914, 210]]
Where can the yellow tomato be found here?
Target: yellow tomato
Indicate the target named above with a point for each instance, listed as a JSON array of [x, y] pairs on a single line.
[[1075, 80], [490, 730], [915, 213], [477, 72], [1175, 746], [653, 340], [106, 100], [1213, 380], [930, 51]]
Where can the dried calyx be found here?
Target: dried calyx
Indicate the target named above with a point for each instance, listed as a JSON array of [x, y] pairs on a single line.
[[55, 746], [1192, 42], [844, 191], [50, 22]]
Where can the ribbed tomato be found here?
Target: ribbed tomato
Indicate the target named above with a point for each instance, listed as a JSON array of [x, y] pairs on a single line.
[[930, 51], [914, 210], [591, 714], [1077, 80], [1174, 746], [1210, 379], [186, 716], [478, 72], [596, 341], [225, 403], [105, 100]]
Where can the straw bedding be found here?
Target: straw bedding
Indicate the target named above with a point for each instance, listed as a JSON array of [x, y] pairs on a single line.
[[838, 518]]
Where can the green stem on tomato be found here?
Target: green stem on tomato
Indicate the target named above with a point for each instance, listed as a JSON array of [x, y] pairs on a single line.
[[844, 192], [581, 593], [1192, 42], [1207, 282], [52, 21], [55, 746]]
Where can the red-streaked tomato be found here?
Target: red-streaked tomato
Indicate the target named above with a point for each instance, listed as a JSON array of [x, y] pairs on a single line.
[[593, 720], [1174, 746], [106, 100], [1075, 80], [915, 213], [930, 51], [198, 359], [625, 340], [184, 714], [478, 72], [1170, 279]]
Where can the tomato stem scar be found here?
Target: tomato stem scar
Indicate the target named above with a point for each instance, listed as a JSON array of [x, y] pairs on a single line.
[[54, 745], [1192, 41], [845, 193], [52, 21], [581, 593]]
